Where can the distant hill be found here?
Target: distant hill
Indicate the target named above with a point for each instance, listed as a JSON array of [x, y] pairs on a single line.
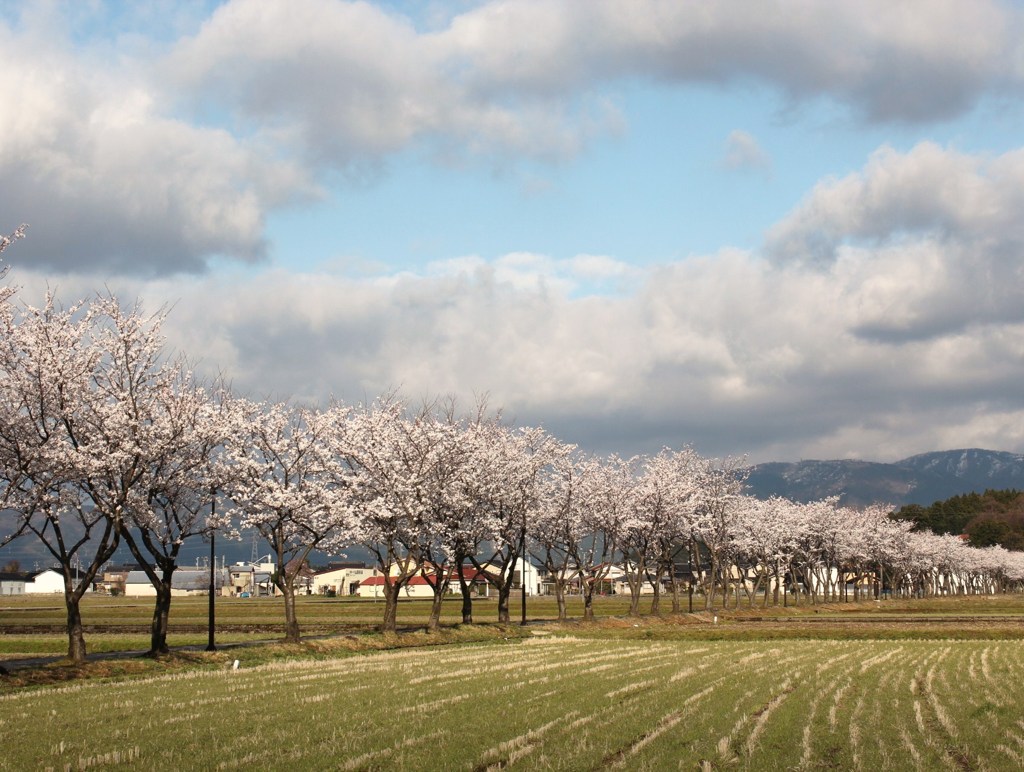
[[921, 479]]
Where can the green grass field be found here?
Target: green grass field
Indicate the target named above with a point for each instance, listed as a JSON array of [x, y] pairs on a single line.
[[895, 685]]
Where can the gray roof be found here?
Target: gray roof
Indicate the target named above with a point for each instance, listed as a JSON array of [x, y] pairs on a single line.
[[182, 578]]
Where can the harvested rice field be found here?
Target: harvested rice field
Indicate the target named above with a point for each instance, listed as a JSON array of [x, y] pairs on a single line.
[[548, 702]]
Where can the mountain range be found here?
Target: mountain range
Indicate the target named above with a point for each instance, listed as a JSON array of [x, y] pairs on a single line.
[[922, 479]]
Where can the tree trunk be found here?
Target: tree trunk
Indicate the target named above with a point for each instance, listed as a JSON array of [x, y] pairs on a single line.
[[635, 587], [291, 621], [467, 595], [504, 591], [709, 595], [76, 636], [656, 600], [560, 599], [434, 621], [756, 588], [161, 613], [677, 607], [441, 580], [588, 600], [392, 587]]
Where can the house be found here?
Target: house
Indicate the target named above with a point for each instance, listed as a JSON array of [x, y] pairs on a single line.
[[12, 582], [184, 581], [416, 587], [114, 578], [46, 581], [303, 577], [534, 575], [620, 584], [477, 580], [341, 579], [248, 580]]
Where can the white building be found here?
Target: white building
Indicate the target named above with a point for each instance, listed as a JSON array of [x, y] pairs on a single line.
[[416, 587], [533, 576], [44, 582], [12, 583], [343, 580]]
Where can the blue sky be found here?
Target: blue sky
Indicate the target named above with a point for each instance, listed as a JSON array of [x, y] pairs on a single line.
[[789, 232]]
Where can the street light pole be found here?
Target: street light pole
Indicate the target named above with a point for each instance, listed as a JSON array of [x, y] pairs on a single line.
[[522, 575], [211, 646]]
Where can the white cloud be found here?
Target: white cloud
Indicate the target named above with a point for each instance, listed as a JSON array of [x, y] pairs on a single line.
[[889, 61], [906, 340], [932, 237], [340, 81], [884, 316], [144, 152], [106, 180], [730, 351], [743, 152]]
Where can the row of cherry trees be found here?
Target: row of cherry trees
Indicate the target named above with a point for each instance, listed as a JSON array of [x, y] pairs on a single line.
[[681, 522], [106, 439]]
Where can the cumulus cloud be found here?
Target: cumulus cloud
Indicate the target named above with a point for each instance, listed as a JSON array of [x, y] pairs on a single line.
[[108, 181], [932, 236], [339, 81], [882, 316], [888, 61], [154, 153], [732, 352], [927, 190]]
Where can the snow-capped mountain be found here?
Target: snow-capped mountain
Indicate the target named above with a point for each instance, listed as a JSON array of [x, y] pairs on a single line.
[[921, 479]]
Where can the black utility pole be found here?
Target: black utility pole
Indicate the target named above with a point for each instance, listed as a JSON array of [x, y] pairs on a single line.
[[211, 646], [522, 575]]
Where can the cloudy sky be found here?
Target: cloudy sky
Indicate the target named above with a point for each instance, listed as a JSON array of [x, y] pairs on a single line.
[[787, 230]]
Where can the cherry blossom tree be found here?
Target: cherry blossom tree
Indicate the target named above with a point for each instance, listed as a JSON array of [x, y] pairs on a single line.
[[11, 479], [603, 501], [419, 469], [286, 483], [378, 445], [181, 483], [455, 523], [82, 397], [679, 476], [764, 540], [717, 504], [558, 527], [5, 241], [512, 463], [47, 411], [641, 529], [441, 461]]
